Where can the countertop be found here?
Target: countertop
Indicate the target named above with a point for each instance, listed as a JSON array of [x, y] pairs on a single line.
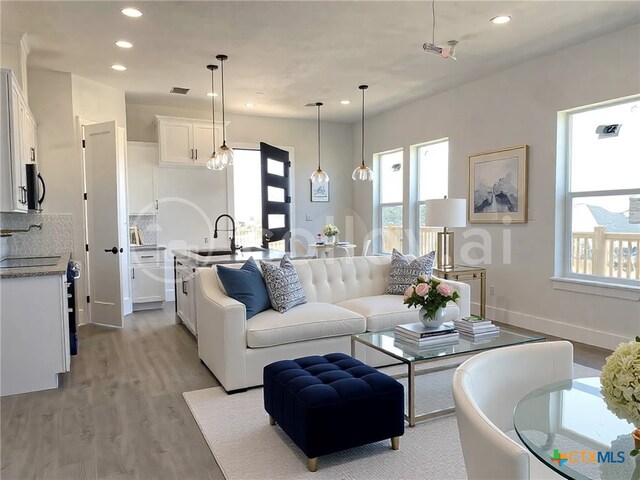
[[59, 269], [143, 248], [205, 261]]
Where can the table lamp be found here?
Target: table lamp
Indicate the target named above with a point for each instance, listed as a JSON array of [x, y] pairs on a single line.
[[448, 213]]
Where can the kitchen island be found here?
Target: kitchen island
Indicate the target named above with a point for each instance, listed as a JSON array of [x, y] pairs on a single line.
[[185, 263]]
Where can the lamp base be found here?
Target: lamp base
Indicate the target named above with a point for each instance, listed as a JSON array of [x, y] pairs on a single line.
[[444, 254]]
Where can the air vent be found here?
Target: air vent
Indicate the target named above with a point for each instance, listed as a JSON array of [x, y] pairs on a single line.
[[180, 90]]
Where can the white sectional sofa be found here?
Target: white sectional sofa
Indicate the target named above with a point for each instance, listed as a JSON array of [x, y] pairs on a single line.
[[344, 296]]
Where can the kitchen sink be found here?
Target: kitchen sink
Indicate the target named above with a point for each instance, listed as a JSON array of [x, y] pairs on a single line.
[[211, 253], [21, 262], [254, 249]]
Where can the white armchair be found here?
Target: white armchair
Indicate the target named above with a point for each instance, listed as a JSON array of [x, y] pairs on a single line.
[[486, 389]]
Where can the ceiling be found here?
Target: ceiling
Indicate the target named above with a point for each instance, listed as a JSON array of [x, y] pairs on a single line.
[[296, 52]]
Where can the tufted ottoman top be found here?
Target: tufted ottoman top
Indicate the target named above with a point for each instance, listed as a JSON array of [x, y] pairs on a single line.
[[333, 378]]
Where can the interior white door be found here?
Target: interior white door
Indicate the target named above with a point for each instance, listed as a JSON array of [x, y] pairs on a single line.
[[103, 222]]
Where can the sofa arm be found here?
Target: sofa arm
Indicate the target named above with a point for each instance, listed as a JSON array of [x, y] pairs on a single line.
[[464, 301], [221, 331]]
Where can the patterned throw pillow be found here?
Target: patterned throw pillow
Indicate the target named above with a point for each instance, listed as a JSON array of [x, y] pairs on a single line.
[[283, 285], [404, 273]]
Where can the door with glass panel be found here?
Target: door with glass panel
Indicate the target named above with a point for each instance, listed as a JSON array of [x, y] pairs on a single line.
[[433, 183], [276, 198], [391, 197]]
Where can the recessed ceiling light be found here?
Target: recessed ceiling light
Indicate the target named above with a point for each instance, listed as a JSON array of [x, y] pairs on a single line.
[[500, 19], [120, 68], [345, 102], [212, 94], [249, 105], [131, 12], [124, 44]]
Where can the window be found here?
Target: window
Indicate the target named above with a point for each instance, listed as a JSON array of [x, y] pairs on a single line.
[[602, 231], [390, 205], [433, 182], [247, 198]]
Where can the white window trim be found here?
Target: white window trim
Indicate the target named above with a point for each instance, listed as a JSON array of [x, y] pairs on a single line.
[[378, 205], [565, 279]]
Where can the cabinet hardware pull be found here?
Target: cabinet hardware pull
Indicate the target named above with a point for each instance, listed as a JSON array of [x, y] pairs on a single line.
[[184, 288], [156, 204], [33, 154], [134, 273], [196, 154], [192, 154], [146, 256]]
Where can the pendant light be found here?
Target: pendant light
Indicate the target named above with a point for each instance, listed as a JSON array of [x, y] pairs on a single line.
[[362, 172], [319, 176], [225, 154], [213, 163]]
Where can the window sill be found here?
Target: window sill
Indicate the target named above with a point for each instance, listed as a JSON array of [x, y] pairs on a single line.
[[625, 292]]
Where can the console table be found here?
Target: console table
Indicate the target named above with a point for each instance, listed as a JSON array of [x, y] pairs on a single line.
[[464, 273]]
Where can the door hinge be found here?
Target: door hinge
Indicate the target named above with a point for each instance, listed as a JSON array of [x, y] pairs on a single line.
[[289, 163], [84, 144], [85, 196], [86, 247], [88, 299], [288, 198]]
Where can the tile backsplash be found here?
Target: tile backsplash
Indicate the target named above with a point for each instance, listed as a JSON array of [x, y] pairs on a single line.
[[148, 226], [55, 237]]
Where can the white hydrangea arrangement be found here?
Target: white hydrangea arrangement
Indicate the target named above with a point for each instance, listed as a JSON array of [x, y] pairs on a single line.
[[620, 380], [330, 230]]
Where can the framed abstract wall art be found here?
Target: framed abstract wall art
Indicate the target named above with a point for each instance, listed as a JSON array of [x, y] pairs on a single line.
[[498, 186], [319, 191]]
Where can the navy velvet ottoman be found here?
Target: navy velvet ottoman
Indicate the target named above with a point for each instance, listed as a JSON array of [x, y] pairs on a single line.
[[333, 402]]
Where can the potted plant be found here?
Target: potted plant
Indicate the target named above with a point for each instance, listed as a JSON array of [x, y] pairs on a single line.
[[432, 296], [331, 232]]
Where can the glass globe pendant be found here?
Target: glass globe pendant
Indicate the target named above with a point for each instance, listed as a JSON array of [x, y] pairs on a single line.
[[362, 172], [213, 163], [224, 153], [319, 176]]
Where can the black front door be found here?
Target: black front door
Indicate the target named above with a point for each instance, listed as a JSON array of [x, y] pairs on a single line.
[[276, 199]]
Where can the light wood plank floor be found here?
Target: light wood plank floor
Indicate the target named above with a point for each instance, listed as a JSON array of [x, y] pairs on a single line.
[[120, 412]]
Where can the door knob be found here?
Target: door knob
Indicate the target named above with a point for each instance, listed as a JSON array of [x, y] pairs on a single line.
[[113, 250]]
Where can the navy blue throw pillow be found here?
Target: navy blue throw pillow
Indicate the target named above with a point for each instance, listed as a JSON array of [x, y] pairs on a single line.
[[246, 285]]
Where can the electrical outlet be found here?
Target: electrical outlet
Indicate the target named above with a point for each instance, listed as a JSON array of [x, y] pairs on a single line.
[[492, 290], [206, 240], [308, 218]]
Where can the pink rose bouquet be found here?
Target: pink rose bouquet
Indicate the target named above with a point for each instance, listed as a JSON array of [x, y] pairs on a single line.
[[430, 294]]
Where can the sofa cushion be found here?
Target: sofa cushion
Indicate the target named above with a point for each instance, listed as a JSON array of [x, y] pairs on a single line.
[[304, 322], [384, 312], [283, 285], [246, 285], [404, 272]]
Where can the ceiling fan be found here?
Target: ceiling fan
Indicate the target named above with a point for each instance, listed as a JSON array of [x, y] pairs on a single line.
[[445, 52]]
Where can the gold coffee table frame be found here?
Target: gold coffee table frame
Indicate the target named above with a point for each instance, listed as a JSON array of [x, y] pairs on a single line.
[[384, 342]]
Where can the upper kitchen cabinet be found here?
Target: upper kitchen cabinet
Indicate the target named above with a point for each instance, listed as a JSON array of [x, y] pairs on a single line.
[[185, 141], [18, 147], [142, 160]]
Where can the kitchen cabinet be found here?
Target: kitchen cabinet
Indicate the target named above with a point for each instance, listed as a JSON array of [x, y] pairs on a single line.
[[184, 141], [147, 279], [142, 159], [18, 137], [185, 295], [35, 333]]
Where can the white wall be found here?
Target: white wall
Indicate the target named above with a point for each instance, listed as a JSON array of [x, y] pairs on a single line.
[[514, 107], [56, 99], [180, 224]]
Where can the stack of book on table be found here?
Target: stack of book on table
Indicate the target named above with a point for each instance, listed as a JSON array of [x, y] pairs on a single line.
[[476, 328], [416, 335]]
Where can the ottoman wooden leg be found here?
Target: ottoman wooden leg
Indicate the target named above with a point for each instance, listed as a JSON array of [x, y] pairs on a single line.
[[272, 421], [313, 464], [395, 443]]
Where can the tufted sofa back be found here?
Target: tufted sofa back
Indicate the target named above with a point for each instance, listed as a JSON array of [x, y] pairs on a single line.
[[333, 280]]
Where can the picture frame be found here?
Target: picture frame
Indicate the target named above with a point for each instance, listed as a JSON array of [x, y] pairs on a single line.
[[319, 191], [497, 189], [134, 236]]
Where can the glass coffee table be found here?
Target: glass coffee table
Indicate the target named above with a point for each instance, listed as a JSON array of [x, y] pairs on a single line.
[[385, 342]]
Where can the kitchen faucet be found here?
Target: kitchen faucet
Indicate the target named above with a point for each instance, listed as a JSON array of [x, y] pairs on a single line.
[[233, 245]]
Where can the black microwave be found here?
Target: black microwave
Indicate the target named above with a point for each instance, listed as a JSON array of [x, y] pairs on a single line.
[[36, 188]]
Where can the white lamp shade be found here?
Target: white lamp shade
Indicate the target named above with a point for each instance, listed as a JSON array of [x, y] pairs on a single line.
[[446, 212]]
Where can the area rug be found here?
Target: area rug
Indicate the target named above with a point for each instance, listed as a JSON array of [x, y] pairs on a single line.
[[237, 430]]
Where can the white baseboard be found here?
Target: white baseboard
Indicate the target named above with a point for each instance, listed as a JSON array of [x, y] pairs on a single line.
[[553, 327]]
